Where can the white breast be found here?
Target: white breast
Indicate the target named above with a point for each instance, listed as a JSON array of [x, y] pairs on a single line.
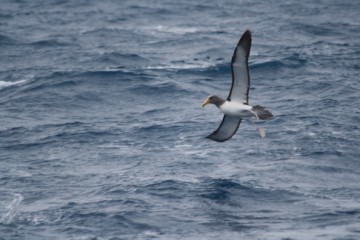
[[236, 109]]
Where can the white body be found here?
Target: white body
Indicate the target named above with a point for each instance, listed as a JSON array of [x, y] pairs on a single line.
[[237, 109]]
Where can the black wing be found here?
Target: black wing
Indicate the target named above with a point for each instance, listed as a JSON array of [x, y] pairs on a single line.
[[226, 130], [239, 91]]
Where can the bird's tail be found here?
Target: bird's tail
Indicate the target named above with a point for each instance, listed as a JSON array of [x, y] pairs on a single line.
[[262, 113]]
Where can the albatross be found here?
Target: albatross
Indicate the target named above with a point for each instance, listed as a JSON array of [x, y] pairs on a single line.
[[236, 107]]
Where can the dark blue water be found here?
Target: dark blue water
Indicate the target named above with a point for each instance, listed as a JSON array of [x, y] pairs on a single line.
[[102, 130]]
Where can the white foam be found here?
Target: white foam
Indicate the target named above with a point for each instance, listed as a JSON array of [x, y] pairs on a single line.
[[173, 67], [5, 84], [12, 209], [180, 66], [176, 29]]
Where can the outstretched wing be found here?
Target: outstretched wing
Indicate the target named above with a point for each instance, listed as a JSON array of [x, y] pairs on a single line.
[[239, 91], [226, 130]]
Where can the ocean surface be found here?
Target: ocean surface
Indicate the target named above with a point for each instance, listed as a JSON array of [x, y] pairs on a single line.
[[102, 134]]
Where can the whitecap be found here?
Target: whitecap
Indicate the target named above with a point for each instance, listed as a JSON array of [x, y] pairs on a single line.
[[5, 84], [180, 66], [174, 29], [12, 209]]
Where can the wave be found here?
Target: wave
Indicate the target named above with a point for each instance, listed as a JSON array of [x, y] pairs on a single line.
[[230, 191], [174, 67], [5, 84], [163, 89], [178, 30], [293, 61], [62, 79], [194, 66], [49, 43], [49, 135], [167, 188], [124, 58], [5, 40], [220, 67]]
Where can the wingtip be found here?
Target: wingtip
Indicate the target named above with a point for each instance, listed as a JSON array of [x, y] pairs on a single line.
[[246, 35], [247, 31], [245, 40]]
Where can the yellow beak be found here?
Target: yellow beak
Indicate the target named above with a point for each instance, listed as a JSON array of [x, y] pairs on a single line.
[[206, 102]]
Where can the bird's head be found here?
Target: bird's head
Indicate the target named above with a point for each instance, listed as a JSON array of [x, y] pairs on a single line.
[[213, 100]]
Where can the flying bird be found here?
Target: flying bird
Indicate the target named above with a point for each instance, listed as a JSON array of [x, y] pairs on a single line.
[[236, 106]]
